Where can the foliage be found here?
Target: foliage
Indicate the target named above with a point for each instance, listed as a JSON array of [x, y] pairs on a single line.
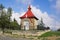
[[8, 31], [5, 19], [14, 25], [41, 26], [2, 17], [47, 28], [58, 30]]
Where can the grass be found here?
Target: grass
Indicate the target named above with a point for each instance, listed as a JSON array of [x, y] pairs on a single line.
[[51, 33]]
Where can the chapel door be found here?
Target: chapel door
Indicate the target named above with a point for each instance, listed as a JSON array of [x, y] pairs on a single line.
[[26, 25]]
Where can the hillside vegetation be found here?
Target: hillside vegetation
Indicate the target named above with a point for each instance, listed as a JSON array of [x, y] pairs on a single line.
[[51, 33]]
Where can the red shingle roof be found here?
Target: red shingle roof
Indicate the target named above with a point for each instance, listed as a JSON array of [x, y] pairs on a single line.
[[28, 14]]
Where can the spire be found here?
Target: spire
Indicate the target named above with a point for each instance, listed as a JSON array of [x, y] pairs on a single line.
[[29, 8]]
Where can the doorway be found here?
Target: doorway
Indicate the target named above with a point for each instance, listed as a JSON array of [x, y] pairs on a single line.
[[26, 25]]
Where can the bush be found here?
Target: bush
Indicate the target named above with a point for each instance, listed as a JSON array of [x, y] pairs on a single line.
[[8, 31], [40, 27], [58, 30]]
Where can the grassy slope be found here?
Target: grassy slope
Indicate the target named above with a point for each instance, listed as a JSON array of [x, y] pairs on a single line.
[[51, 33]]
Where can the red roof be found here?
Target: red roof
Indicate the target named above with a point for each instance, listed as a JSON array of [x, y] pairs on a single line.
[[28, 14]]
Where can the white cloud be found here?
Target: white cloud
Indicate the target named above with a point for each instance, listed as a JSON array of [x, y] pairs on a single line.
[[25, 1], [16, 16], [5, 10], [47, 19], [57, 25], [57, 6]]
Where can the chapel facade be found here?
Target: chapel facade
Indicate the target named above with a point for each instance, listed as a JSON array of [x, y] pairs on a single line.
[[28, 20]]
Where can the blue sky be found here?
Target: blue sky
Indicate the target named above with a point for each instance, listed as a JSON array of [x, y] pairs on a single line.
[[19, 5], [44, 5], [52, 7]]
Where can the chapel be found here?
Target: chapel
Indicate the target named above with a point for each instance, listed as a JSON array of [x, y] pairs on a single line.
[[28, 20]]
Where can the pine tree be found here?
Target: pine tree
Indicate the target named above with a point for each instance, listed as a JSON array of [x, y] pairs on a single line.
[[9, 13], [2, 17], [14, 25], [41, 26]]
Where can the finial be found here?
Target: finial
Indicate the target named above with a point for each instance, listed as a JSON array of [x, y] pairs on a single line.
[[29, 8]]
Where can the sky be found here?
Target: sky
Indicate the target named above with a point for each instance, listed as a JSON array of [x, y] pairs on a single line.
[[49, 10]]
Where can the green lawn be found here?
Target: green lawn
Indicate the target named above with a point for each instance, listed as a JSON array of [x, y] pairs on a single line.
[[51, 33]]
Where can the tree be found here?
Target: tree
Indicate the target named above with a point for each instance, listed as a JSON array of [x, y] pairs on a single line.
[[2, 15], [9, 13], [5, 17], [41, 26], [1, 6], [47, 28], [14, 25], [58, 29]]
